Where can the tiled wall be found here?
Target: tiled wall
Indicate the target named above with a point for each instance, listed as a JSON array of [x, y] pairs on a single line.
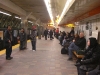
[[65, 28], [92, 23]]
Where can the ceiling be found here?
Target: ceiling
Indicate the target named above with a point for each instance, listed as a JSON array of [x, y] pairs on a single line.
[[37, 7], [79, 8]]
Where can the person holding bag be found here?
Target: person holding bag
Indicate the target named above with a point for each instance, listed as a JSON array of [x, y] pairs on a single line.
[[33, 38]]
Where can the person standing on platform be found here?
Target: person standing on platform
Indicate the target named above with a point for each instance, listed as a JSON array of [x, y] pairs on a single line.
[[22, 38], [45, 34], [51, 34], [33, 38], [57, 33], [72, 31], [8, 43]]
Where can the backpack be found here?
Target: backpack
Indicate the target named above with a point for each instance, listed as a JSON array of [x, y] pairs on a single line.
[[64, 50]]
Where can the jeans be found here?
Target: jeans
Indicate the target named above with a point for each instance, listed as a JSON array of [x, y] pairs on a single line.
[[33, 45], [64, 41], [71, 48]]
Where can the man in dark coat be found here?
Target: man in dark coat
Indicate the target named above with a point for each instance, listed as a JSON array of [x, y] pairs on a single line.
[[72, 31], [51, 34], [45, 34], [76, 45], [8, 43]]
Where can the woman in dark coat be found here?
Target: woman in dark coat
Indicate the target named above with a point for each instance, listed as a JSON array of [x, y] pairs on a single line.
[[91, 58]]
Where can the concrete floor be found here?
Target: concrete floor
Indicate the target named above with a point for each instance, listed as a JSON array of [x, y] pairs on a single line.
[[47, 60]]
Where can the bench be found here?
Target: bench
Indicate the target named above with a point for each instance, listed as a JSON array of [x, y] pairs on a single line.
[[78, 56]]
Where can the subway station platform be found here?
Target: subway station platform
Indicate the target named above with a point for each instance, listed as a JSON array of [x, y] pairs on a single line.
[[47, 60]]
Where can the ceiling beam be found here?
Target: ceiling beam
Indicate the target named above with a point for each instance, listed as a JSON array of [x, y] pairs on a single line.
[[10, 6]]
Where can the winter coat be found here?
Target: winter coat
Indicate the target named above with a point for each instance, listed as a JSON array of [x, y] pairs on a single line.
[[33, 35], [92, 56], [22, 36], [81, 43]]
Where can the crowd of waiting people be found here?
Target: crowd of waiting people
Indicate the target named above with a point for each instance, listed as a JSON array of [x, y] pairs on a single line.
[[89, 63], [48, 34], [91, 60]]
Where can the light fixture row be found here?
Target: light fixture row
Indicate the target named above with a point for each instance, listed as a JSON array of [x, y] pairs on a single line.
[[49, 9], [9, 14], [68, 4], [30, 21], [5, 13], [17, 17], [66, 8]]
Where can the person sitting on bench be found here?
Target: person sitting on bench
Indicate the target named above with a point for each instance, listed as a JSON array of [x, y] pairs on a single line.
[[91, 59], [76, 45]]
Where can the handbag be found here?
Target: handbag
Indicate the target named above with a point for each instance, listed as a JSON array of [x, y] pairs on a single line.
[[83, 67], [88, 67]]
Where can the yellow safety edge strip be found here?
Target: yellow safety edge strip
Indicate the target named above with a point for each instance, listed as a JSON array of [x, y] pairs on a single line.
[[13, 48]]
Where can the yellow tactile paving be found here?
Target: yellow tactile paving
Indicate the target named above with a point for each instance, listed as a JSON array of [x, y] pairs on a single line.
[[13, 48]]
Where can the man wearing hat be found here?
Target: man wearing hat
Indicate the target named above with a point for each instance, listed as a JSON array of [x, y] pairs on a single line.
[[33, 38]]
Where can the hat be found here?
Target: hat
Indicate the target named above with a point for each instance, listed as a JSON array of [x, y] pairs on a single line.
[[34, 27]]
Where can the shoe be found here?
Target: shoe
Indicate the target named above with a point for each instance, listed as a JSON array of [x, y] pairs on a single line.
[[20, 49], [11, 57], [8, 58], [70, 59]]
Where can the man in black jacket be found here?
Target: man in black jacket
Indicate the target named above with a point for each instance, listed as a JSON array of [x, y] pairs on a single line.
[[45, 34], [8, 43], [72, 31], [76, 45]]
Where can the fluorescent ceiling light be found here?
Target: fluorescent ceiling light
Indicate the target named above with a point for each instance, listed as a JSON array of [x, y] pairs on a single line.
[[37, 24], [48, 5], [66, 8], [17, 17], [30, 21], [5, 13]]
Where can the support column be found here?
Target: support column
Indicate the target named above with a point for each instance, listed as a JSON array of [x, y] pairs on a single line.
[[25, 26], [39, 32]]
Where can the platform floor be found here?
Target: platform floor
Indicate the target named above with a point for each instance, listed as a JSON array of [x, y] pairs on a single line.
[[47, 60]]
